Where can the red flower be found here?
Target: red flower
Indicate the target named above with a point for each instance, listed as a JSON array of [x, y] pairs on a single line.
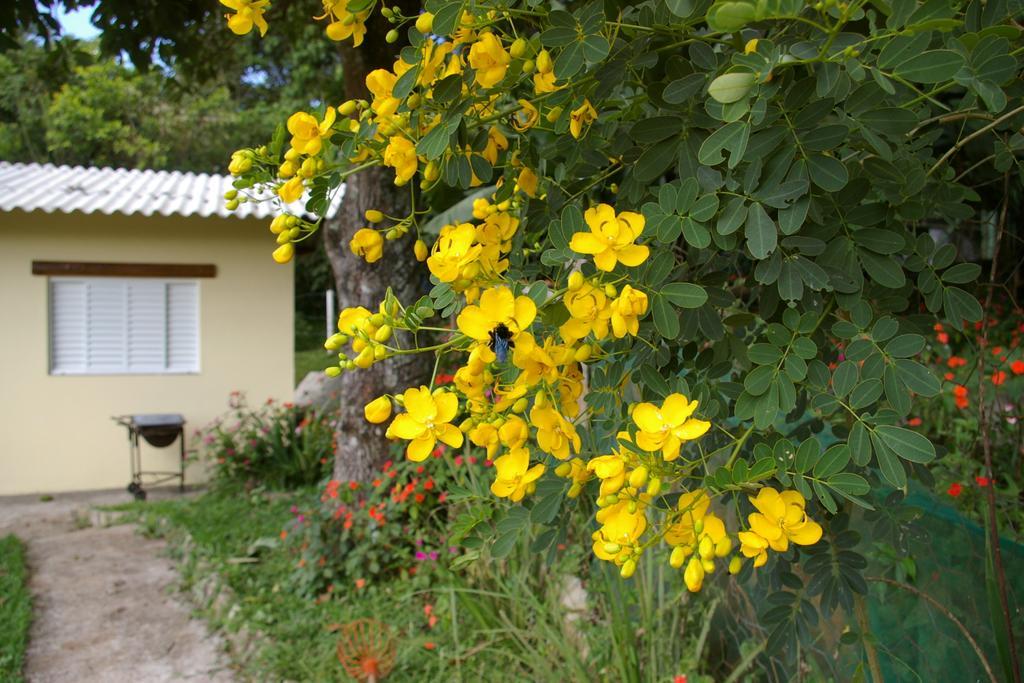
[[429, 646], [983, 481], [954, 489], [949, 376], [353, 485], [956, 362], [942, 337], [914, 422], [679, 679], [996, 350], [360, 583], [998, 377], [1017, 367]]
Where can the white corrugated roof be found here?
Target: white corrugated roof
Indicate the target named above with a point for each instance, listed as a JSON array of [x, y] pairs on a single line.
[[49, 188]]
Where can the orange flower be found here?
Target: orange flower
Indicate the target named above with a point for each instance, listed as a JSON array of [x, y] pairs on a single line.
[[429, 646], [942, 337], [1017, 367], [360, 583], [998, 377], [949, 376], [956, 362], [960, 396], [915, 422]]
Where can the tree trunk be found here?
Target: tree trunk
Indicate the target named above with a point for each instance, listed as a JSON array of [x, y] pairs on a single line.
[[361, 446]]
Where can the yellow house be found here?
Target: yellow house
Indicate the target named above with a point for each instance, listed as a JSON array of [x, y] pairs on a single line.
[[128, 292]]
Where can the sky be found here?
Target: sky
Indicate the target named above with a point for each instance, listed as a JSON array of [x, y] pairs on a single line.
[[76, 23]]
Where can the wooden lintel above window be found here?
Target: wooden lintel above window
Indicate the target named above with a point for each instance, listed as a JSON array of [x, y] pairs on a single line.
[[91, 269]]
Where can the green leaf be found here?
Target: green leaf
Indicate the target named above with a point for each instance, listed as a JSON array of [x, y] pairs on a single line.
[[844, 378], [931, 66], [731, 87], [907, 444], [960, 307], [504, 543], [731, 137], [917, 377], [433, 144], [685, 294], [884, 270], [655, 160], [827, 173], [962, 273], [905, 346], [807, 455], [656, 129], [878, 240], [834, 460], [762, 237], [865, 393], [666, 320], [545, 509], [732, 216], [860, 444], [889, 465], [764, 354], [595, 48], [759, 380]]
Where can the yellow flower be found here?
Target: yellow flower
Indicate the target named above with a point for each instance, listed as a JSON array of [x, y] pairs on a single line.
[[367, 243], [426, 421], [496, 143], [291, 191], [544, 79], [241, 162], [490, 60], [350, 320], [611, 237], [514, 432], [527, 182], [485, 435], [248, 13], [581, 118], [627, 309], [666, 428], [513, 476], [752, 545], [781, 519], [526, 117], [381, 82], [499, 313], [307, 133], [611, 470], [555, 434], [577, 471], [620, 526], [378, 410], [401, 156], [344, 24], [694, 508], [588, 311], [453, 251], [539, 362]]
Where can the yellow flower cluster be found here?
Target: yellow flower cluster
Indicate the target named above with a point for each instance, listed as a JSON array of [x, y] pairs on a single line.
[[366, 332], [780, 520]]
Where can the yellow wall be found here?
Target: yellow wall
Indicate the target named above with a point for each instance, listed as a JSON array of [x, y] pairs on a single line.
[[55, 431]]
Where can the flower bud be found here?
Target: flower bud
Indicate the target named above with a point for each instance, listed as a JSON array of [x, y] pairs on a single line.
[[284, 253], [654, 486], [377, 319], [333, 371], [544, 63], [364, 359], [735, 565], [380, 353], [414, 100], [383, 334], [374, 216], [723, 547], [378, 410], [425, 23], [231, 204], [708, 565], [334, 342], [628, 567], [391, 36], [575, 280], [230, 194], [529, 66], [563, 470], [520, 405], [698, 526], [612, 548], [694, 575], [420, 250], [431, 172], [706, 548], [518, 48], [583, 353], [347, 108], [279, 224], [554, 114], [677, 557], [638, 477]]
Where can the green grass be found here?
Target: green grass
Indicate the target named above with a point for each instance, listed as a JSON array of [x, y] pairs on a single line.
[[309, 361], [15, 608]]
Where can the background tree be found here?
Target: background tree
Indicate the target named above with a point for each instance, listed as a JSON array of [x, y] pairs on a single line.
[[294, 65]]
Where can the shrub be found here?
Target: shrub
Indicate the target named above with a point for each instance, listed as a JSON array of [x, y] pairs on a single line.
[[277, 445]]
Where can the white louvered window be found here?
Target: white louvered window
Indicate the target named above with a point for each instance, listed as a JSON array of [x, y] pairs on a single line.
[[107, 326]]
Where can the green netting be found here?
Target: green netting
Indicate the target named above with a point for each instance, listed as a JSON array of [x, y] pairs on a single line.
[[917, 642]]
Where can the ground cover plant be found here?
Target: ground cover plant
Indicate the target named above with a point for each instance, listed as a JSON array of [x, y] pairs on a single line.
[[689, 294], [275, 445], [15, 608]]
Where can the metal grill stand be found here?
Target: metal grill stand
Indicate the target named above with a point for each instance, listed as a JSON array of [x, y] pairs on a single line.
[[159, 431]]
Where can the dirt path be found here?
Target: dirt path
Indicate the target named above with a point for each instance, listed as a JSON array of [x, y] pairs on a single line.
[[105, 606]]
